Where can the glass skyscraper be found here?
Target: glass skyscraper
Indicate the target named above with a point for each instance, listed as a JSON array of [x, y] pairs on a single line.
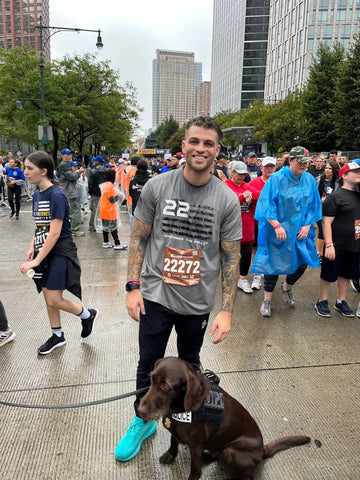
[[262, 49], [240, 36]]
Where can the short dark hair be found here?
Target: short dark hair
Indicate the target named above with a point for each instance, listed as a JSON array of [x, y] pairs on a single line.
[[142, 165], [134, 160], [205, 122], [110, 175], [333, 151]]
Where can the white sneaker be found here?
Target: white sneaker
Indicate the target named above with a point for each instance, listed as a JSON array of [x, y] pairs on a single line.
[[256, 283], [120, 247], [358, 311], [6, 337], [107, 245], [244, 285]]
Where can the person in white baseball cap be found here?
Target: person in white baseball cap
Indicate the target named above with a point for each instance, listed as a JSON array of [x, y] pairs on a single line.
[[268, 167]]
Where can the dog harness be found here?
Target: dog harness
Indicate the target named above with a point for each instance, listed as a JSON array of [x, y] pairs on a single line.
[[211, 410]]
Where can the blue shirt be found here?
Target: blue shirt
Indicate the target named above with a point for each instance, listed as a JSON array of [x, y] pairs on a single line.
[[17, 174], [47, 205], [294, 202]]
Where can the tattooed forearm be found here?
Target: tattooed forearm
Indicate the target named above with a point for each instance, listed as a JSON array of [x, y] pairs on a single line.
[[139, 235], [230, 256]]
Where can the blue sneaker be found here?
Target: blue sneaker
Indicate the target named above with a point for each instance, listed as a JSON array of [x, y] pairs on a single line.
[[136, 432]]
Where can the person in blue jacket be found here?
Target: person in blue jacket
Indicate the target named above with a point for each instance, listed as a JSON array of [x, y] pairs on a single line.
[[14, 180], [287, 208]]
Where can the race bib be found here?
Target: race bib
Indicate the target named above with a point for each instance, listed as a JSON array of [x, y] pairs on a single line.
[[182, 267], [357, 229]]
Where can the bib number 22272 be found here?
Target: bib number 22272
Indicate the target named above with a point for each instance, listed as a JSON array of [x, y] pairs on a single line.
[[182, 267]]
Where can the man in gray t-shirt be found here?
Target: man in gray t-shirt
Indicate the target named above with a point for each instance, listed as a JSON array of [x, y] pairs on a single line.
[[187, 227]]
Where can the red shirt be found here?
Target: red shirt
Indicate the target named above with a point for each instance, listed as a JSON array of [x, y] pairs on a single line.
[[247, 211], [257, 183]]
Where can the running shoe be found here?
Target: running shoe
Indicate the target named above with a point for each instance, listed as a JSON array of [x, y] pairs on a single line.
[[322, 308], [344, 308], [108, 245], [6, 337], [136, 432], [355, 285], [265, 308], [120, 247], [88, 323], [288, 296], [244, 285], [51, 344], [256, 283]]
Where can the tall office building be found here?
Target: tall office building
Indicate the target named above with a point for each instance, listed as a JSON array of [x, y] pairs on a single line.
[[239, 46], [202, 100], [18, 19], [175, 75], [262, 49], [295, 32]]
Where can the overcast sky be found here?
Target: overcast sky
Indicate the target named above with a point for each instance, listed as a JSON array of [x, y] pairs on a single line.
[[131, 31]]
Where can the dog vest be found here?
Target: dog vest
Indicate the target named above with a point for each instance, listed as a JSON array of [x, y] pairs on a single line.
[[211, 411]]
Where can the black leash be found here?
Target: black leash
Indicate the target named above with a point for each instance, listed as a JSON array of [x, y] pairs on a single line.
[[76, 405], [208, 373]]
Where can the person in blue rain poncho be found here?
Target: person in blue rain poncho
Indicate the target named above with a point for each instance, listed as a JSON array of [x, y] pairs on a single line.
[[288, 207]]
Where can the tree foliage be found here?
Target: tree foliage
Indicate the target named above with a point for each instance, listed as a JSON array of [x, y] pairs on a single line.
[[347, 100], [164, 131], [318, 99], [83, 98], [175, 141]]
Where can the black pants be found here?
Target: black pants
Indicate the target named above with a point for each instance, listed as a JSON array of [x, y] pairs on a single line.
[[154, 331], [271, 280], [17, 192], [114, 234], [245, 259], [3, 319]]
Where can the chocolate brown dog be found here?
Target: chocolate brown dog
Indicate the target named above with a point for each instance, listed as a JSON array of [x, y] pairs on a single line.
[[228, 433]]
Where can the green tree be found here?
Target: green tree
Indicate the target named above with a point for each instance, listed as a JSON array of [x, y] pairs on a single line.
[[165, 130], [318, 117], [175, 141], [347, 104], [83, 98]]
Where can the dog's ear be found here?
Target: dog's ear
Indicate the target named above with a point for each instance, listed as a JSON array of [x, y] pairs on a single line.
[[194, 392]]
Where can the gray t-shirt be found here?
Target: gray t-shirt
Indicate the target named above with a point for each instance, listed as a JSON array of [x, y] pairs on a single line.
[[188, 219]]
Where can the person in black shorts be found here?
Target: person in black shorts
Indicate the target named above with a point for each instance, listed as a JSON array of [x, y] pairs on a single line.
[[52, 257], [341, 228]]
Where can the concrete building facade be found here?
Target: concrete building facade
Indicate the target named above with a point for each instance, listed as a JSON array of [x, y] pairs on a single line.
[[18, 19], [296, 28], [202, 102], [175, 75]]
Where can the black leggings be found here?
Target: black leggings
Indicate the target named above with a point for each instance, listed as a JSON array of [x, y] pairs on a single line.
[[271, 280], [245, 259], [17, 192], [154, 331], [114, 234]]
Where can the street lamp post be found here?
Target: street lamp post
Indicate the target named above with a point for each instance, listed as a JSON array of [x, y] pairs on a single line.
[[41, 28]]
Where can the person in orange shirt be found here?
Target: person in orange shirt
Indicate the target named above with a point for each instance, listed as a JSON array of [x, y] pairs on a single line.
[[108, 211], [128, 175], [119, 174]]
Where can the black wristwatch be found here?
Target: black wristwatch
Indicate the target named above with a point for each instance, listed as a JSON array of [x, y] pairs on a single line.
[[132, 285]]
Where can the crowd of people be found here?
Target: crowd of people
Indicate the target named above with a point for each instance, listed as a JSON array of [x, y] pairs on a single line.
[[192, 215]]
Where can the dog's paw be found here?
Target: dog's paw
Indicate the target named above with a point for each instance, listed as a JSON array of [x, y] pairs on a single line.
[[167, 458]]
